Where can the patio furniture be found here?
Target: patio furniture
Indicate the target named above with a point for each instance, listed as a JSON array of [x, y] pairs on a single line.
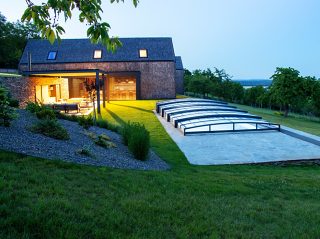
[[66, 107]]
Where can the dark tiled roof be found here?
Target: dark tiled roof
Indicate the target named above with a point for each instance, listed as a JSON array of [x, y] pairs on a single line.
[[254, 82], [179, 65], [81, 50]]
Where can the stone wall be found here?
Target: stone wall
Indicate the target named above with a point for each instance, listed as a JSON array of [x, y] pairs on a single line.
[[24, 88], [157, 78], [19, 88], [179, 76]]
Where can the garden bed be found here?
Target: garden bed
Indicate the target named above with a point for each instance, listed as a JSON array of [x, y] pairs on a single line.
[[18, 138]]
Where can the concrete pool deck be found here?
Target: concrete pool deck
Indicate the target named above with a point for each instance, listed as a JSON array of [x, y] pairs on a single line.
[[245, 147]]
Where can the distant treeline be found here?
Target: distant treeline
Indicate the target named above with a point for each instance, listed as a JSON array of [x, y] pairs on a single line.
[[289, 90]]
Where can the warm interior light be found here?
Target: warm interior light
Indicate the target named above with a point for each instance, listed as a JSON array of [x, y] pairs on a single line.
[[143, 53], [97, 54]]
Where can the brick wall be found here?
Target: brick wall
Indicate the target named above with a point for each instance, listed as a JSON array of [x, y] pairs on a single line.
[[179, 76]]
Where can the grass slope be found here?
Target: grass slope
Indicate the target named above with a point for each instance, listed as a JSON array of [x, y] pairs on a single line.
[[303, 123], [52, 199]]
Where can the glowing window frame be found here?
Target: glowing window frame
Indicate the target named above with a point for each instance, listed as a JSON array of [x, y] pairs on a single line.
[[143, 53], [97, 54]]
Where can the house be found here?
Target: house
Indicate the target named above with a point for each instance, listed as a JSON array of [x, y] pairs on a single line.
[[179, 76], [143, 68]]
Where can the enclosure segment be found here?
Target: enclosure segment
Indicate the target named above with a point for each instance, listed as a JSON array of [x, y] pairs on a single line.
[[194, 116]]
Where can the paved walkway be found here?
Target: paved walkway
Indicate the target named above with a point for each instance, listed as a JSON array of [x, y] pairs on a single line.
[[243, 147]]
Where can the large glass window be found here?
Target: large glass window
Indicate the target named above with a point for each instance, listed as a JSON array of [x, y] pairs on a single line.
[[48, 94], [122, 88], [77, 87]]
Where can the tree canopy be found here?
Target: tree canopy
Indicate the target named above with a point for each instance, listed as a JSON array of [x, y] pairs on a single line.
[[289, 91], [47, 18], [13, 38], [286, 87]]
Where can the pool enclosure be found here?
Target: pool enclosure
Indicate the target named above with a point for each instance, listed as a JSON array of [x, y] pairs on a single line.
[[193, 116]]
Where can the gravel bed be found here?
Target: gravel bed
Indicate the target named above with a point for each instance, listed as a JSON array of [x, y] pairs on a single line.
[[17, 138]]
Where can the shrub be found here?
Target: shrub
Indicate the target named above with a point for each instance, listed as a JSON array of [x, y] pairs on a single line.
[[107, 125], [7, 113], [33, 107], [85, 122], [137, 138], [50, 128], [104, 137], [14, 103], [72, 118], [46, 113], [126, 132], [103, 142], [139, 142], [91, 135], [102, 123], [85, 150]]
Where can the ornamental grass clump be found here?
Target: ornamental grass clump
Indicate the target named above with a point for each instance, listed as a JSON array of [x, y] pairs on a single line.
[[86, 122], [137, 138], [107, 125], [104, 142]]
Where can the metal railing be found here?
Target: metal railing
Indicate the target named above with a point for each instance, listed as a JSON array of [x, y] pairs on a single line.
[[267, 127], [186, 101]]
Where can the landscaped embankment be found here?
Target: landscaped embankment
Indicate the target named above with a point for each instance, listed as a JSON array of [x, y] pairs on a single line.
[[18, 138]]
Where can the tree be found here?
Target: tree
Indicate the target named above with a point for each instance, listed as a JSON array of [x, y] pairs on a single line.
[[255, 95], [200, 84], [47, 18], [7, 113], [311, 87], [92, 92], [13, 38], [236, 92], [286, 87], [316, 96]]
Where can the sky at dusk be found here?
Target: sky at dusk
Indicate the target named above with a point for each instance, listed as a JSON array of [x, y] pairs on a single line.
[[247, 38]]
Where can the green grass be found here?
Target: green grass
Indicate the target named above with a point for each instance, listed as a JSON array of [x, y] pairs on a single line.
[[308, 124], [120, 112], [9, 75], [51, 199]]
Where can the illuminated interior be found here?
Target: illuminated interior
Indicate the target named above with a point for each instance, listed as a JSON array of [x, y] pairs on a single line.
[[97, 54], [72, 87], [77, 87], [122, 88], [48, 94], [143, 53]]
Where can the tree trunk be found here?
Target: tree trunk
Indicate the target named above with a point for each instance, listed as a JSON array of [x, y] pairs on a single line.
[[94, 113], [286, 110]]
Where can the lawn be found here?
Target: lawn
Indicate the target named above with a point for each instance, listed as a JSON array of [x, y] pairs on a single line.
[[9, 75], [52, 199], [304, 123]]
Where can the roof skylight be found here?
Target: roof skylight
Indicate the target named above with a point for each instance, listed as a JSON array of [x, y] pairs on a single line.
[[143, 53], [52, 55], [97, 54]]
